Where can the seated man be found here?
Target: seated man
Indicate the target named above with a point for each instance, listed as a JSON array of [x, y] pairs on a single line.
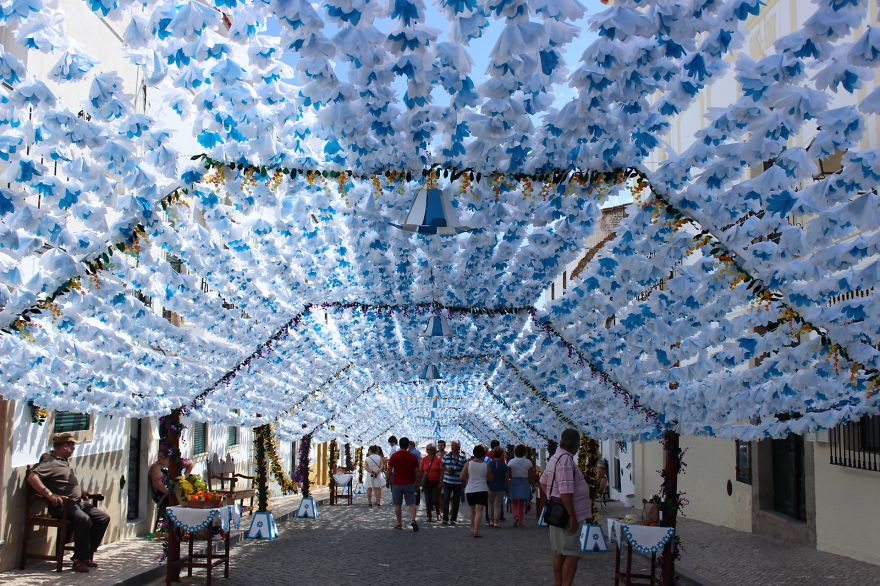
[[54, 479]]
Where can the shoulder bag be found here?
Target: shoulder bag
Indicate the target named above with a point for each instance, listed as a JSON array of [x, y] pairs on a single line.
[[555, 513], [427, 472]]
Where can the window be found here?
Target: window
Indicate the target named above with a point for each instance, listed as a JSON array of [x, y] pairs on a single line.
[[176, 263], [744, 462], [233, 435], [70, 421], [145, 299], [172, 317], [200, 438], [857, 444]]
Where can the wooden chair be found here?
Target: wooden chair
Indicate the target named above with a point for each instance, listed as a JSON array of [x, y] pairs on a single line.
[[33, 520], [224, 473], [160, 512], [212, 558]]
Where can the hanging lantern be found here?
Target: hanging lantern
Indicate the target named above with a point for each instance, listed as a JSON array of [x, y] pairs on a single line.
[[431, 213], [430, 373], [437, 327]]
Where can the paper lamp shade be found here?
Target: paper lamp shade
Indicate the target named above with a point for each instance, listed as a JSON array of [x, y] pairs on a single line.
[[438, 326], [431, 213], [430, 373]]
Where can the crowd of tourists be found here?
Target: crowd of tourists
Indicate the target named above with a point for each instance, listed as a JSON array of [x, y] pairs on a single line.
[[441, 479], [487, 480]]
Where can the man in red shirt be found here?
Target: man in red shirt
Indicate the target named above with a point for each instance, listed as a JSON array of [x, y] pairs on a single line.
[[405, 473]]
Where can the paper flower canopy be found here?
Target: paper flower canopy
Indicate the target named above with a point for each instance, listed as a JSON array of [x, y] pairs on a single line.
[[730, 303]]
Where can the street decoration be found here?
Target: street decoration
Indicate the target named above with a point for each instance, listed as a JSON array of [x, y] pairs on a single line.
[[736, 299]]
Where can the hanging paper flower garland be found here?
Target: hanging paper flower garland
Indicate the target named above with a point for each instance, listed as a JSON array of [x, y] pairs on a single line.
[[333, 458], [260, 452], [302, 466], [359, 462], [287, 485], [290, 137]]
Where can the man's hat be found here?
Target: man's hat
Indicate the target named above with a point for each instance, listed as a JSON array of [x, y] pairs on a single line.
[[62, 438]]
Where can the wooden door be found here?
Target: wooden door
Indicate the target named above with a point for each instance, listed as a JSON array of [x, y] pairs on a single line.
[[789, 487]]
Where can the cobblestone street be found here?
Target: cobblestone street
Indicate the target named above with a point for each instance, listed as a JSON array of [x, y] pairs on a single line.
[[357, 545]]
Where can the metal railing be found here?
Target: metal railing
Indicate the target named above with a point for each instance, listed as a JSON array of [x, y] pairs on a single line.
[[857, 444]]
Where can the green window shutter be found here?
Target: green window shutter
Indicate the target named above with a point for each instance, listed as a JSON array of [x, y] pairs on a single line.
[[200, 438], [70, 421], [233, 435]]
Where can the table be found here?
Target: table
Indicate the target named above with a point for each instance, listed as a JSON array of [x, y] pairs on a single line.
[[199, 523], [341, 480], [644, 539]]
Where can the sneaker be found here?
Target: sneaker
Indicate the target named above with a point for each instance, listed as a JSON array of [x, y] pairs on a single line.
[[415, 526], [452, 522], [444, 523]]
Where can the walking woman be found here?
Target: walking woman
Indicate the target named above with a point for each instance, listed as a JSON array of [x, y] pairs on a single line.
[[520, 470], [477, 475], [374, 464], [497, 487], [432, 476]]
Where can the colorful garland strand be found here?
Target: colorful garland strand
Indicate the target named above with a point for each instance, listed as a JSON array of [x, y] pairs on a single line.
[[554, 176], [93, 265], [288, 486], [302, 465], [333, 458], [262, 470], [504, 403], [359, 462], [762, 293], [38, 414]]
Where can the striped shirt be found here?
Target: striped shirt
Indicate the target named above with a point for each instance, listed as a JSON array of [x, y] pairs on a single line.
[[456, 463], [561, 477]]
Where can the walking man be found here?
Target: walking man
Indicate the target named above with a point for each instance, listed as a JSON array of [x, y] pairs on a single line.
[[405, 473], [453, 462], [562, 479]]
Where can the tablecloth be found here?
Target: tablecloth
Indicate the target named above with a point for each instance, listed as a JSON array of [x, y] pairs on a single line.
[[194, 520], [643, 538], [342, 478]]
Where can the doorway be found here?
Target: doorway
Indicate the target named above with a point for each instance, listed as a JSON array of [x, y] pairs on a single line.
[[789, 487], [133, 488], [784, 490]]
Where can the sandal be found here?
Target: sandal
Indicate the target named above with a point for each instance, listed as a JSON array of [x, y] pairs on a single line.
[[398, 527]]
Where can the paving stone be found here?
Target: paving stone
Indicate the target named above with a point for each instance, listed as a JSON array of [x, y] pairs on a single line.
[[122, 560], [718, 556], [356, 545]]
